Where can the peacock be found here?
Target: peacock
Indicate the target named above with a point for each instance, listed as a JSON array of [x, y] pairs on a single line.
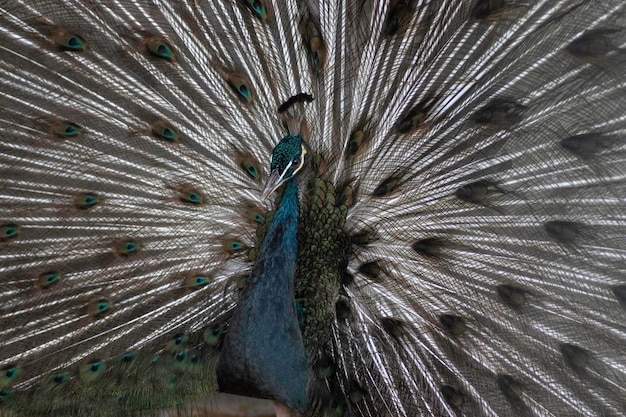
[[365, 208]]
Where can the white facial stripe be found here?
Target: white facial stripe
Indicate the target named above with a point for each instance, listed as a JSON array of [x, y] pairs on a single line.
[[304, 152], [282, 174]]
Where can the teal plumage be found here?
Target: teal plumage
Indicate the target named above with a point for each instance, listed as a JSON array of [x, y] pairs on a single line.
[[263, 352], [459, 247]]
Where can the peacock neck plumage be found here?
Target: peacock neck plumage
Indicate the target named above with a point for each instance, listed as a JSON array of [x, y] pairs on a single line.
[[263, 353]]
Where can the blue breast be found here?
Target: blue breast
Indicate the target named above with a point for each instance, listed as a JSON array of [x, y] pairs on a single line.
[[263, 354]]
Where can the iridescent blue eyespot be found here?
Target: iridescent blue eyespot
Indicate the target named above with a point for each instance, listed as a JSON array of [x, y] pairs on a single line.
[[250, 167], [233, 245], [159, 48], [9, 231], [241, 86], [258, 8], [196, 281], [164, 131], [92, 370], [69, 41], [86, 200], [5, 394], [213, 334], [129, 357], [60, 378], [128, 247], [8, 375], [48, 278], [98, 307]]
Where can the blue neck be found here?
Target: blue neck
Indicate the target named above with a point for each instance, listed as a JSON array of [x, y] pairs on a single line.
[[263, 354]]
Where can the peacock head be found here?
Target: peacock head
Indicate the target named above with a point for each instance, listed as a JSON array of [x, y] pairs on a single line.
[[289, 157]]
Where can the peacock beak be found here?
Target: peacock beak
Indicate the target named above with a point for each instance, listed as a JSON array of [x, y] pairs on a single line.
[[274, 181]]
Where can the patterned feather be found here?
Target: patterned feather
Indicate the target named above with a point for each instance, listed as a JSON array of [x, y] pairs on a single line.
[[461, 248]]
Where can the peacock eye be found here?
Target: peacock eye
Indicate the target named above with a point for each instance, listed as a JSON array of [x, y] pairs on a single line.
[[296, 161]]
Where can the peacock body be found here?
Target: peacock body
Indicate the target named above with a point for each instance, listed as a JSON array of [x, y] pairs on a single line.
[[447, 235]]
